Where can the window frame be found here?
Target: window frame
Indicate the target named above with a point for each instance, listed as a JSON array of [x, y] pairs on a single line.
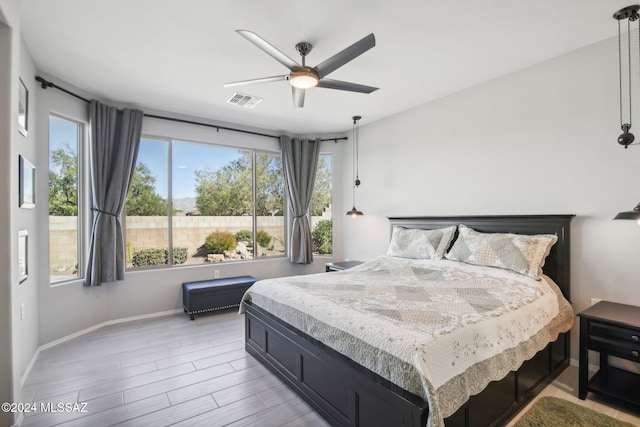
[[316, 254], [83, 193], [170, 241]]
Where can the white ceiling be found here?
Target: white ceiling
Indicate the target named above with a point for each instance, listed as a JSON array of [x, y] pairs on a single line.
[[174, 55]]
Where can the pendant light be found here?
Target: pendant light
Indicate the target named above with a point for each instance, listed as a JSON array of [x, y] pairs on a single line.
[[356, 179], [632, 214], [630, 13]]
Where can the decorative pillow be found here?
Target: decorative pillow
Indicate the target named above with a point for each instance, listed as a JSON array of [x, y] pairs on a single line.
[[418, 243], [524, 254]]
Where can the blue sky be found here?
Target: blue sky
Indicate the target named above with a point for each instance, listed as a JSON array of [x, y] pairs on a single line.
[[187, 158], [63, 134]]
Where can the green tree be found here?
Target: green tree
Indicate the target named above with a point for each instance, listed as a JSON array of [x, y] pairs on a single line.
[[321, 197], [227, 191], [269, 185], [63, 182], [142, 199]]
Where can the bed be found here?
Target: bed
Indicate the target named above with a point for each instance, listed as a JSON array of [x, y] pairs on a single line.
[[322, 367]]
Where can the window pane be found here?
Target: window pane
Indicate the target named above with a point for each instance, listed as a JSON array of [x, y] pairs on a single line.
[[321, 221], [269, 205], [212, 202], [147, 220], [64, 141]]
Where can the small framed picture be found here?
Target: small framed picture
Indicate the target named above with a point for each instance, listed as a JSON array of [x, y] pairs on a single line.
[[27, 184], [23, 108], [23, 255]]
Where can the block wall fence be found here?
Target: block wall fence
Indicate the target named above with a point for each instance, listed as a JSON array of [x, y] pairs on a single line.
[[144, 232]]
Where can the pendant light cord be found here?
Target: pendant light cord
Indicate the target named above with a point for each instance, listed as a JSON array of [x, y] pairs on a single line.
[[354, 166], [620, 71], [622, 124], [357, 147], [629, 54]]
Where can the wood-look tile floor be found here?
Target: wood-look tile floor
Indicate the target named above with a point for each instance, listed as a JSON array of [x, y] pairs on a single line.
[[171, 371]]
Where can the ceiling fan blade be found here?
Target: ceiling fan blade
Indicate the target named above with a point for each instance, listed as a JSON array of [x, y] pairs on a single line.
[[269, 49], [340, 85], [262, 80], [298, 96], [346, 55]]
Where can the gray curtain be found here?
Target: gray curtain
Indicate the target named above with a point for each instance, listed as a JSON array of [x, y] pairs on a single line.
[[300, 161], [115, 137]]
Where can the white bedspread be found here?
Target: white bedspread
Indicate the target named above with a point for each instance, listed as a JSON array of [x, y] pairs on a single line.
[[440, 329]]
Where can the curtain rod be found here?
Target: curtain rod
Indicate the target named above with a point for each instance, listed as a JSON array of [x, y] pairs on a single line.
[[47, 84]]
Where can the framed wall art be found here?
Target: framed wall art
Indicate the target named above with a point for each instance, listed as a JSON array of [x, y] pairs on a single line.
[[23, 255], [23, 108], [27, 183]]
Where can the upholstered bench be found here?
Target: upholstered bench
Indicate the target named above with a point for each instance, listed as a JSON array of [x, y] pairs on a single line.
[[215, 294]]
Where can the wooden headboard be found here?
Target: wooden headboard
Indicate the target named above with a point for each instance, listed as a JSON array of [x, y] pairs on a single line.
[[557, 265]]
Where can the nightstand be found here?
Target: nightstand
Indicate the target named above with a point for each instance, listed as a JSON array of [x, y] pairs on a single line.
[[612, 330], [339, 266]]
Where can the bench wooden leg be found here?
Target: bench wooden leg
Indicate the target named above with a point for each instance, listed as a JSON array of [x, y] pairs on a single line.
[[192, 316]]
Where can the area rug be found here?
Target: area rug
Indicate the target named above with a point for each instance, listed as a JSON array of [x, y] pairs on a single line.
[[555, 412]]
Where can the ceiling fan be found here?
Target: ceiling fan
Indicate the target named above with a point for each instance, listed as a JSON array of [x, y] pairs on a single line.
[[303, 77]]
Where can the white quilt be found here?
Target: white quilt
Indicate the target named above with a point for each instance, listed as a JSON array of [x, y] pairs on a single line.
[[439, 329]]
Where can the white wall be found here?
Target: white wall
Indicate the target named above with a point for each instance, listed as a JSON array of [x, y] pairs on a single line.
[[540, 141], [19, 337], [26, 304], [7, 275], [71, 307]]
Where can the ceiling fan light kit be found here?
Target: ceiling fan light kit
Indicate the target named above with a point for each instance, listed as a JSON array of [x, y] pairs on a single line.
[[303, 77]]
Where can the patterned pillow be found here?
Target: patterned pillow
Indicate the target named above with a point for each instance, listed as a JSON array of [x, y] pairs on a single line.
[[524, 254], [418, 243]]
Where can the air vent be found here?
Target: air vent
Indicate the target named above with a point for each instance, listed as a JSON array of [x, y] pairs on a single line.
[[243, 100]]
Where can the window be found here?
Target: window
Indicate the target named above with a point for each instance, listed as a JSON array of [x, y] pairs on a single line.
[[269, 205], [226, 205], [65, 259], [321, 216], [146, 222]]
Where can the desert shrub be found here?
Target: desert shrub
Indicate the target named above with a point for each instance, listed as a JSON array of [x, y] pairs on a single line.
[[158, 256], [325, 249], [180, 255], [321, 235], [264, 239], [220, 241], [152, 256], [244, 236]]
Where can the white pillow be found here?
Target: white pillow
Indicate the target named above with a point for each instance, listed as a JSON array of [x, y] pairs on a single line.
[[418, 243], [524, 254]]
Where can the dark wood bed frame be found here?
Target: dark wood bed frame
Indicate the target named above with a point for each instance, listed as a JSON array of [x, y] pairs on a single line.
[[347, 394]]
